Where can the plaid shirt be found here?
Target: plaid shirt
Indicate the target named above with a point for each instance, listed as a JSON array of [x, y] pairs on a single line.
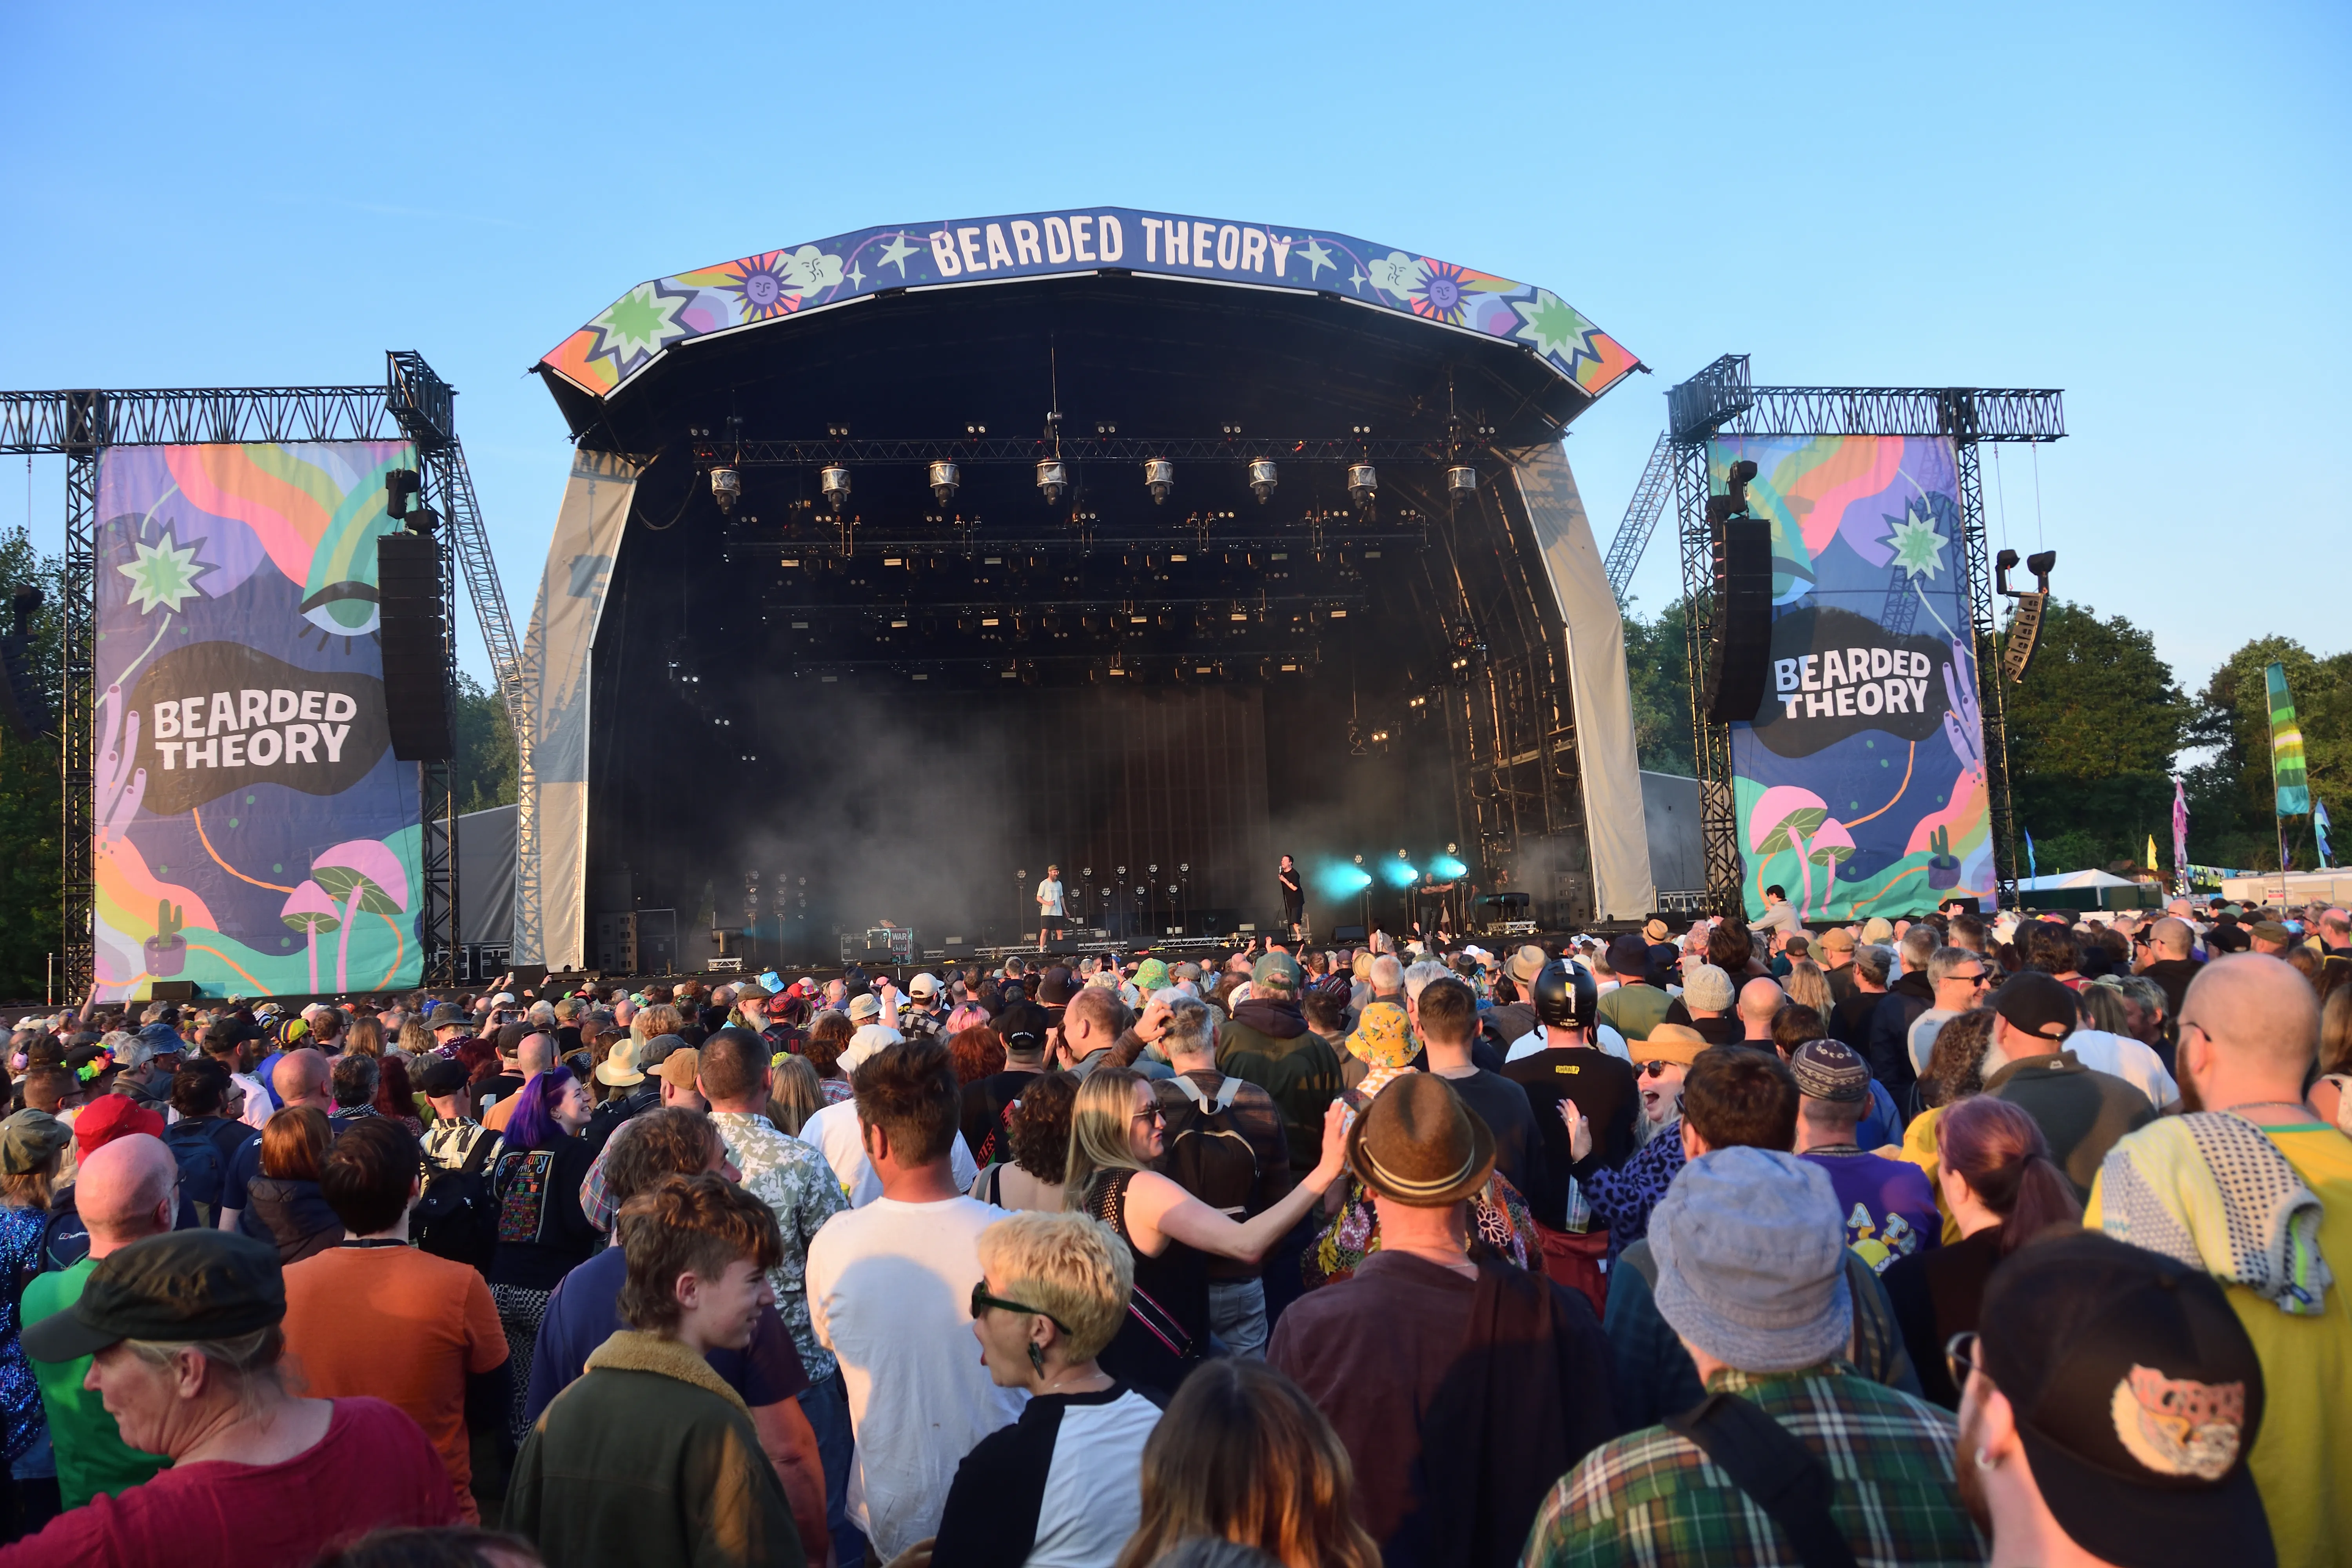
[[1653, 1499]]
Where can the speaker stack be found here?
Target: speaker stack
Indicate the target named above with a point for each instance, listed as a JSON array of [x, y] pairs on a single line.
[[416, 639], [1740, 656]]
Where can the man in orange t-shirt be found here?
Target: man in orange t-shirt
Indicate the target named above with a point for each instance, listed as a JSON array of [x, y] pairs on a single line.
[[375, 1316]]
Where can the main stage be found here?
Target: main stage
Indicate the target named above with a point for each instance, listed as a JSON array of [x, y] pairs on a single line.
[[898, 565]]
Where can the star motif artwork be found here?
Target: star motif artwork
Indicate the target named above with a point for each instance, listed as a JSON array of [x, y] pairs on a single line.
[[164, 576], [1356, 280], [1918, 547], [1317, 257], [895, 254], [856, 276], [1549, 324], [637, 323]]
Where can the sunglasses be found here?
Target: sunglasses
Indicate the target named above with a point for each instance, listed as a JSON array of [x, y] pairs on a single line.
[[1148, 1117], [1960, 1357], [981, 1301], [1658, 1069], [1978, 979]]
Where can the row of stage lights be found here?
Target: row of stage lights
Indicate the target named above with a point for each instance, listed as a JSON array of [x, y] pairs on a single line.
[[1053, 482], [1352, 877]]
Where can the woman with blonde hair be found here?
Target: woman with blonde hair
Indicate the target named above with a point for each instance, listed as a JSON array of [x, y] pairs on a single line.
[[1053, 1487], [794, 1095], [1243, 1456], [1115, 1134], [1808, 987], [364, 1036]]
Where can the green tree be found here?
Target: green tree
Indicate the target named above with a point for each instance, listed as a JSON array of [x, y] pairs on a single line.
[[1658, 669], [2093, 731], [30, 790], [2232, 804], [486, 771]]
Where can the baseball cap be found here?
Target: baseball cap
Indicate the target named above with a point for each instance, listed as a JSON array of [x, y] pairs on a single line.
[[442, 1077], [923, 984], [183, 1285], [29, 1140], [2137, 1395], [110, 1116], [2038, 1004], [1828, 1069], [680, 1068], [1837, 938], [1278, 967], [2263, 931], [511, 1036], [1021, 1026]]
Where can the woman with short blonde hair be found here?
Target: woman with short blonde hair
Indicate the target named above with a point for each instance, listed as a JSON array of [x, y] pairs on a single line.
[[1058, 1485]]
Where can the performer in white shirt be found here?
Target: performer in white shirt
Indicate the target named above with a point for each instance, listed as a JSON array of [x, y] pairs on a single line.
[[1049, 904]]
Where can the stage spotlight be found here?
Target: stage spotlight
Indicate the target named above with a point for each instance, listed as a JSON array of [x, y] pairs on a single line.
[[1461, 480], [1262, 478], [945, 477], [1363, 483], [725, 489], [1158, 478], [1053, 480], [833, 480], [1447, 867]]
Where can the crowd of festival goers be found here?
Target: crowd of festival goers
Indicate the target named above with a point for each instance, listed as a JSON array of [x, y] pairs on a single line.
[[1945, 1241]]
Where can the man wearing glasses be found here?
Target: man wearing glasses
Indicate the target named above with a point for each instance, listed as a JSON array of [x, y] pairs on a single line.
[[1961, 979]]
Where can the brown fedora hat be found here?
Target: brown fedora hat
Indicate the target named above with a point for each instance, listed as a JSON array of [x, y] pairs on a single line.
[[1419, 1145]]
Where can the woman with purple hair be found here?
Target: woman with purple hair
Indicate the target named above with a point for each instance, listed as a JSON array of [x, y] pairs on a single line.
[[543, 1234]]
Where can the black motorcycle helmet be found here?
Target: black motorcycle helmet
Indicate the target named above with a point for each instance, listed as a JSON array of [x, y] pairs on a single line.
[[1565, 995]]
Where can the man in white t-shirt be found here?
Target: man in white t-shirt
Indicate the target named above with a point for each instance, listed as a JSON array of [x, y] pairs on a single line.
[[889, 1292], [1049, 904]]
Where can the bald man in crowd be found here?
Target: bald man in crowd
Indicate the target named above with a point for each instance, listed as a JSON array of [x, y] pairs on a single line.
[[2170, 944], [302, 1078], [2249, 1039], [124, 1193], [1760, 1001], [534, 1056]]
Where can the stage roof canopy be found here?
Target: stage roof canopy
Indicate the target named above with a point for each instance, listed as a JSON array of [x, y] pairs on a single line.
[[1298, 285]]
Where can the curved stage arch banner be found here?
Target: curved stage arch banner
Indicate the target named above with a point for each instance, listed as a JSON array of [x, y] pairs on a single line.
[[1860, 785], [658, 315], [253, 832]]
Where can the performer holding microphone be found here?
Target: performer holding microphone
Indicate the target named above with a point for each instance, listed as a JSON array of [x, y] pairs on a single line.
[[1049, 904], [1293, 899]]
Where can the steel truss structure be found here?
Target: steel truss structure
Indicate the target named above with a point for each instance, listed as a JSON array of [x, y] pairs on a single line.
[[1719, 401], [1072, 448], [79, 423]]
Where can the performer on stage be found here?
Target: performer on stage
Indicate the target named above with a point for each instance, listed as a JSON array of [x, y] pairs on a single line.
[[1049, 904], [1293, 899], [1433, 903]]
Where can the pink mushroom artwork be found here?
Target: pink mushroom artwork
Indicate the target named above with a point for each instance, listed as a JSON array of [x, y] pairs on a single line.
[[1784, 817], [1830, 846], [310, 911], [360, 875]]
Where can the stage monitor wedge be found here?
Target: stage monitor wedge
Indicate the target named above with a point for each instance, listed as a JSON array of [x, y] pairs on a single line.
[[415, 638]]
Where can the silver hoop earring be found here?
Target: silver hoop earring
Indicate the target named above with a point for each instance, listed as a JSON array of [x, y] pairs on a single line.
[[1985, 1462]]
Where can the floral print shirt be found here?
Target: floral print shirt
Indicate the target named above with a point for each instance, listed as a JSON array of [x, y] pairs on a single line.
[[793, 1180]]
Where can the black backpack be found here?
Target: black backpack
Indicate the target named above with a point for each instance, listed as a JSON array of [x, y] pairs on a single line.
[[456, 1217], [202, 1170], [1207, 1154]]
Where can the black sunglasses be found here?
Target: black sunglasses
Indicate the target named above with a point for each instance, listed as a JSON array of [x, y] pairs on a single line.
[[1658, 1069], [981, 1301]]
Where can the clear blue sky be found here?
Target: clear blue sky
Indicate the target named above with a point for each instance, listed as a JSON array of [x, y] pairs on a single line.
[[2142, 205]]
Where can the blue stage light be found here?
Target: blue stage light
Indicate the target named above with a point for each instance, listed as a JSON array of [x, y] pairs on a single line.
[[1447, 867], [1400, 873], [1337, 880]]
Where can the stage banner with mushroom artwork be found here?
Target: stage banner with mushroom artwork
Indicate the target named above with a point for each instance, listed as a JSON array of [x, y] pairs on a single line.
[[253, 833], [1860, 783]]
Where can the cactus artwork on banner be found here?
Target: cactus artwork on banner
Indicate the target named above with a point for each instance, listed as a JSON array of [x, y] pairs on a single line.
[[1860, 783], [254, 834]]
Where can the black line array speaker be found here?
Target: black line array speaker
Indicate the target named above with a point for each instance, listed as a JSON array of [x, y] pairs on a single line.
[[24, 707], [1741, 658], [415, 638]]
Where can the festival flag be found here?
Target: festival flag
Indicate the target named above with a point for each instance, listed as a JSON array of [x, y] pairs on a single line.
[[2180, 836], [2030, 874], [2320, 826], [2287, 774], [2151, 851]]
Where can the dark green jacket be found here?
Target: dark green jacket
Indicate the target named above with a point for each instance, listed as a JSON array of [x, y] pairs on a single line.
[[1301, 1073], [649, 1460]]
